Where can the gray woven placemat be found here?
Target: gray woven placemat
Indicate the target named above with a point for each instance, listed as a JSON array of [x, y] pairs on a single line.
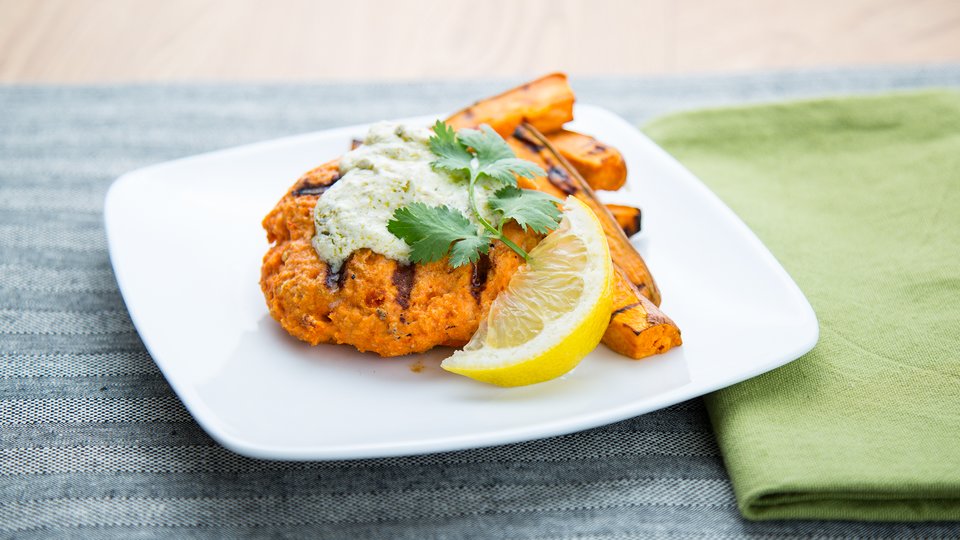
[[95, 445]]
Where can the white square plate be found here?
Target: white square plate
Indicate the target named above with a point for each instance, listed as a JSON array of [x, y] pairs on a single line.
[[186, 245]]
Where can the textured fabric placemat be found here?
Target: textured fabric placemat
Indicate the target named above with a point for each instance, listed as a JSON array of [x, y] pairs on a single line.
[[859, 199], [93, 444]]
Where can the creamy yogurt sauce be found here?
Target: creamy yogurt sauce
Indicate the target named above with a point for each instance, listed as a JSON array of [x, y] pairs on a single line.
[[390, 170]]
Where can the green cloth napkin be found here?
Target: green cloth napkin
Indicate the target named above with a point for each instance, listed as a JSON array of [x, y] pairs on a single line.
[[859, 199]]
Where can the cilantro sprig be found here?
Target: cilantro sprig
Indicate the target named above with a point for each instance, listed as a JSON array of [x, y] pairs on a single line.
[[431, 230], [474, 157]]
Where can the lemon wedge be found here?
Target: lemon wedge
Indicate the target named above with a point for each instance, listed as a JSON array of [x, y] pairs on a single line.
[[553, 312]]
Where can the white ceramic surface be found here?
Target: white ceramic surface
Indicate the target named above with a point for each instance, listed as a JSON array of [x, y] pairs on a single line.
[[186, 244]]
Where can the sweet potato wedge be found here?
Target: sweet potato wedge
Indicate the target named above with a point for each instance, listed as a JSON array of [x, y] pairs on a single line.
[[546, 103], [628, 217], [637, 327], [565, 178], [600, 165]]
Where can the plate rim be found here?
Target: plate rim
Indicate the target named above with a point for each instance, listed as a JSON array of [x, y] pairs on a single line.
[[211, 424]]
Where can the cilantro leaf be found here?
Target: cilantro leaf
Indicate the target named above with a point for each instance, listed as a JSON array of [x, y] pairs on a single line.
[[495, 158], [504, 170], [468, 250], [486, 143], [491, 156], [430, 231], [535, 209], [452, 157]]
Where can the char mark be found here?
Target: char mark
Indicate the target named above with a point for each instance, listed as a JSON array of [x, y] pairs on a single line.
[[597, 149], [559, 178], [625, 308], [335, 280], [534, 145], [314, 189], [403, 277], [332, 279], [478, 280], [635, 226]]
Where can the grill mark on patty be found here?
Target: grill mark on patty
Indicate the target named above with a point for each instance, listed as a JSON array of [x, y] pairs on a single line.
[[478, 279], [314, 189], [334, 280], [403, 280]]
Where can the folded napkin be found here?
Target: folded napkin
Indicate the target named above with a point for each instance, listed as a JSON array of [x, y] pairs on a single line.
[[859, 199]]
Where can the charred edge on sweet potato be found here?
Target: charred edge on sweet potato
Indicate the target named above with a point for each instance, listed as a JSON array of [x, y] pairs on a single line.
[[638, 328], [628, 217]]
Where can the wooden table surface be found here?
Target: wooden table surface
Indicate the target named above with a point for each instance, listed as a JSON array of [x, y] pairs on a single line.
[[261, 40]]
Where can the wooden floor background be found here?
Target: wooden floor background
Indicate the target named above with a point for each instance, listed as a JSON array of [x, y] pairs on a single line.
[[262, 40]]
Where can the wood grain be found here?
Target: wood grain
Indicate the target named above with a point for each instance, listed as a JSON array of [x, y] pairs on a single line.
[[150, 40]]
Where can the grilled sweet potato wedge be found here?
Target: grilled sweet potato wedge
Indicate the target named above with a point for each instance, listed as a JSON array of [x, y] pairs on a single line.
[[565, 178], [637, 327], [546, 103], [600, 165], [627, 217]]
